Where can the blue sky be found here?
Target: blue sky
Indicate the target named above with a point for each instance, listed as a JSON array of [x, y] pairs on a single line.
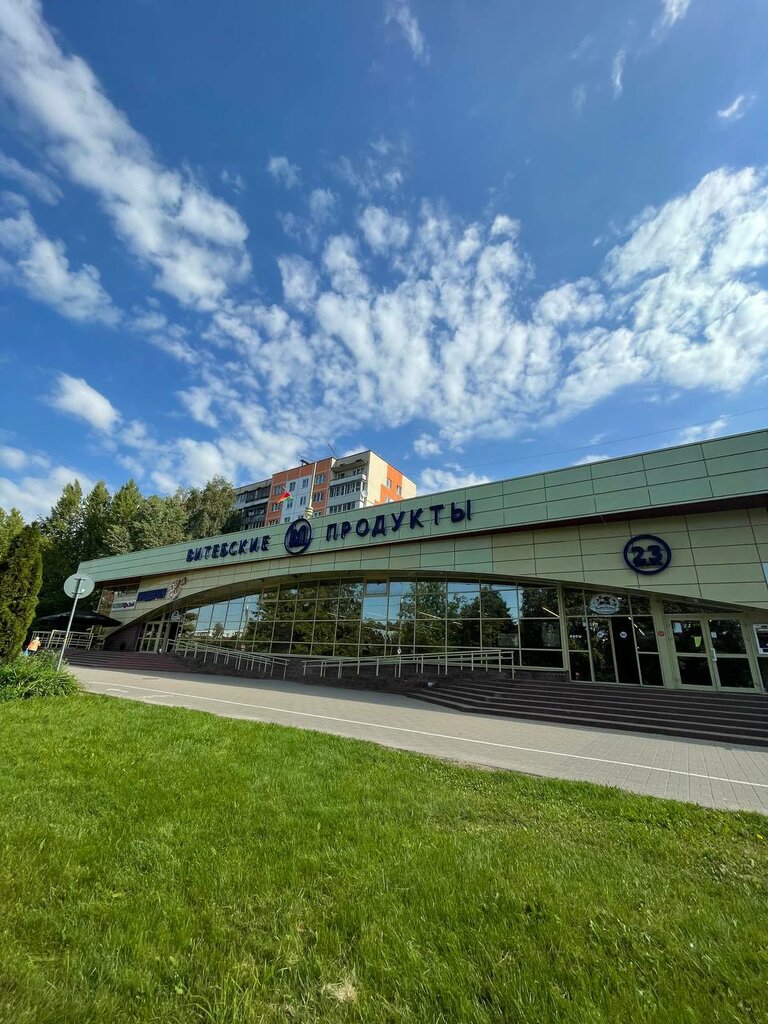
[[482, 238]]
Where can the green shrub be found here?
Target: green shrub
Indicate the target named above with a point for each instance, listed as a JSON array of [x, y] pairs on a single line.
[[34, 676]]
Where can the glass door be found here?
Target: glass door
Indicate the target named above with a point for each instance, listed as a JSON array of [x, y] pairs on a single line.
[[693, 657], [150, 637], [711, 653]]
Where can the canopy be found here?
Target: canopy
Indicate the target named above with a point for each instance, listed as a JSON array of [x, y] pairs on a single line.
[[82, 620]]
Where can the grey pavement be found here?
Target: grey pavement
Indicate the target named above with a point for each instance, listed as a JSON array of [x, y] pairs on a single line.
[[711, 774]]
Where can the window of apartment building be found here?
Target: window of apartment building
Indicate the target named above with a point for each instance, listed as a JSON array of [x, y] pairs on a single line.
[[303, 499], [289, 503], [292, 485], [304, 483], [278, 490], [389, 484], [320, 478], [318, 497], [399, 490], [275, 507]]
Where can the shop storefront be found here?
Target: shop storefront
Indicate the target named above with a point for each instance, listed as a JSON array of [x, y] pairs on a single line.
[[649, 570]]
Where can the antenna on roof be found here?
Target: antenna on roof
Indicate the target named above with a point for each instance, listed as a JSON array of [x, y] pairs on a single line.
[[333, 450]]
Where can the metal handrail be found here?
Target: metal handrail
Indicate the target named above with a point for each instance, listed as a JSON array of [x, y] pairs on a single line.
[[464, 658], [54, 638], [241, 659]]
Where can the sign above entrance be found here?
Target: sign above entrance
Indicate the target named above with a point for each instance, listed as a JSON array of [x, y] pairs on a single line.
[[647, 554]]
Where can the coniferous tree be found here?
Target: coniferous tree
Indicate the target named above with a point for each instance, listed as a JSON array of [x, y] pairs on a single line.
[[10, 524], [62, 531], [123, 514], [97, 514], [21, 573]]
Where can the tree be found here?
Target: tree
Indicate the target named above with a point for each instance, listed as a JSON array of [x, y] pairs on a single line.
[[161, 521], [97, 514], [123, 514], [10, 524], [62, 531], [209, 509], [21, 574]]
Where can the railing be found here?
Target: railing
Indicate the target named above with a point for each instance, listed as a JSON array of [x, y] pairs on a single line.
[[498, 660], [54, 639], [264, 663]]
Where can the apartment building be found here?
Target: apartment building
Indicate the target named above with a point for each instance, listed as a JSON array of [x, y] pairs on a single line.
[[326, 486]]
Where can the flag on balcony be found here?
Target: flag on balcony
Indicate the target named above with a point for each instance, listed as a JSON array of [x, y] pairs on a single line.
[[284, 495]]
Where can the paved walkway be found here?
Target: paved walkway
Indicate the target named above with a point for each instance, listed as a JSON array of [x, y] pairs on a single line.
[[711, 774]]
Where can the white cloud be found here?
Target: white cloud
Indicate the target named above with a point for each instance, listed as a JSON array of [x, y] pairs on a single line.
[[672, 11], [322, 203], [383, 231], [587, 460], [194, 242], [579, 98], [424, 446], [33, 496], [703, 431], [433, 480], [234, 180], [40, 266], [75, 396], [299, 281], [736, 110], [283, 171], [33, 182], [12, 458], [400, 13], [617, 72]]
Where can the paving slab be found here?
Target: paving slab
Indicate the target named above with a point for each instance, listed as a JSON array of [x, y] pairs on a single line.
[[712, 774]]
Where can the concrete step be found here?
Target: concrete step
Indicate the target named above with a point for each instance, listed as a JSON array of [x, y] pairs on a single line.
[[754, 710], [127, 660], [711, 732]]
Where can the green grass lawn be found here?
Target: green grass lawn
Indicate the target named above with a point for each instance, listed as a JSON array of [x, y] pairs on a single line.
[[165, 865]]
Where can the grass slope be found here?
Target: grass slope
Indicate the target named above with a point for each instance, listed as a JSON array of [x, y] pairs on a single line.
[[169, 866]]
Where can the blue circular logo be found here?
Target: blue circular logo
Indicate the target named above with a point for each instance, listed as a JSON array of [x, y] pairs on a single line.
[[647, 554], [298, 536]]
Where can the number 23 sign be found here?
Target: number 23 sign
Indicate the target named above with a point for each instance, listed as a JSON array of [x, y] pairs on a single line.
[[647, 554]]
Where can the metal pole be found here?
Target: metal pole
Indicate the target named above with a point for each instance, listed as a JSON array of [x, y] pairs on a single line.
[[69, 626]]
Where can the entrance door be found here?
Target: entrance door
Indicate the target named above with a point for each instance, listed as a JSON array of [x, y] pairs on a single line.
[[711, 653], [150, 637], [623, 636]]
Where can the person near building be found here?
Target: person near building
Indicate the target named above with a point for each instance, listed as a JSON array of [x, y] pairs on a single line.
[[33, 646]]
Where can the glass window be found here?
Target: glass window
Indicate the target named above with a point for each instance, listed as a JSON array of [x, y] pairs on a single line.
[[347, 631], [727, 637], [375, 608], [641, 605], [464, 633], [577, 634], [372, 587], [389, 484], [580, 667], [542, 659], [320, 478], [574, 601], [399, 490], [540, 633], [400, 587], [650, 670], [499, 633], [607, 604], [495, 602], [645, 635], [234, 616], [602, 652], [536, 602], [204, 618]]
